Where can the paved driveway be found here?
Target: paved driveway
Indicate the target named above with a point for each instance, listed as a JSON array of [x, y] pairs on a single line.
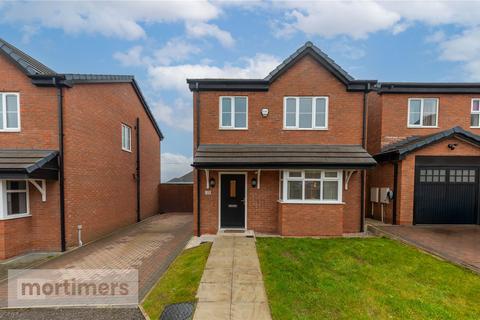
[[148, 246], [457, 243]]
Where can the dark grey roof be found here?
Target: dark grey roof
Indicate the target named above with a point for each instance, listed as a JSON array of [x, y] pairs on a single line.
[[398, 150], [26, 63], [24, 164], [428, 87], [263, 84], [92, 78], [186, 178], [281, 156]]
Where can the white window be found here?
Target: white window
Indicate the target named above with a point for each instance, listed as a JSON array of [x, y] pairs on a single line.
[[126, 138], [305, 113], [475, 115], [233, 112], [422, 112], [13, 198], [9, 111], [311, 186]]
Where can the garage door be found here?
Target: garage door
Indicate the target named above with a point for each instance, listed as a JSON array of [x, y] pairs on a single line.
[[446, 194]]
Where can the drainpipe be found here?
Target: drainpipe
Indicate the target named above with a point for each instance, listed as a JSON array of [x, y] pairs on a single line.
[[364, 145], [197, 113], [59, 87], [395, 188], [138, 170]]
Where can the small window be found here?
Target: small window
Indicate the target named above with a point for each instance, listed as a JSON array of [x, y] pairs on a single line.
[[432, 176], [233, 112], [126, 138], [9, 112], [304, 113], [233, 188], [475, 114], [462, 176], [311, 186], [16, 197], [422, 112]]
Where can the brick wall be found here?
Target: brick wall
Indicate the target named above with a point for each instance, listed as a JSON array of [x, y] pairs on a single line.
[[100, 186]]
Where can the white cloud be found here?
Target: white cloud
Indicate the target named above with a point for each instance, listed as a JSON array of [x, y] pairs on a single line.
[[174, 165], [122, 19], [202, 29], [175, 50], [179, 115], [131, 58]]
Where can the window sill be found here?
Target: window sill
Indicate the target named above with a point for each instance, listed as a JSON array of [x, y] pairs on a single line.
[[232, 129], [474, 127], [305, 129], [11, 131], [126, 150], [310, 202], [422, 127], [16, 216]]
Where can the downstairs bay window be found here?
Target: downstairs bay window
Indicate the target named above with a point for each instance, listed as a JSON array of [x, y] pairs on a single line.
[[311, 186], [13, 199]]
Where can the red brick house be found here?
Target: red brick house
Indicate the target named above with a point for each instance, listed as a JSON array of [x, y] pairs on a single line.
[[75, 150], [424, 137], [284, 154]]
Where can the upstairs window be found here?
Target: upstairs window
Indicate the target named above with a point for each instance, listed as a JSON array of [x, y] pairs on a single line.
[[233, 112], [475, 114], [126, 138], [422, 112], [305, 113], [9, 112]]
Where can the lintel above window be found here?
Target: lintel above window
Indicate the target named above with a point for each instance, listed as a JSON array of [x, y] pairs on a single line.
[[9, 112], [305, 113], [422, 112], [233, 113]]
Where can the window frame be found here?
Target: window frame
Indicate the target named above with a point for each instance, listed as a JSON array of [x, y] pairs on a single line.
[[4, 112], [421, 125], [129, 138], [472, 112], [4, 202], [285, 178], [232, 116], [297, 113]]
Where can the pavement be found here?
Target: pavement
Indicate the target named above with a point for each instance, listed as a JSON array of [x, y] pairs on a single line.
[[232, 283], [459, 244], [149, 246]]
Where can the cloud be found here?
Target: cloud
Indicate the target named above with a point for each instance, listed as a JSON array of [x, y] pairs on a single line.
[[179, 115], [175, 50], [202, 29], [174, 165], [121, 19], [131, 58]]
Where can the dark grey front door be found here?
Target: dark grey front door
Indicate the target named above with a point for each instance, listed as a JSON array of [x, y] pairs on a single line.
[[232, 201]]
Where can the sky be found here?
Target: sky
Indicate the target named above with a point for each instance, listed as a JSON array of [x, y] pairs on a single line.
[[162, 43]]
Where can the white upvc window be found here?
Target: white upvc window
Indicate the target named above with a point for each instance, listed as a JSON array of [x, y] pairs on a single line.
[[233, 113], [305, 113], [422, 112], [311, 186], [14, 199], [475, 114], [9, 112], [126, 138]]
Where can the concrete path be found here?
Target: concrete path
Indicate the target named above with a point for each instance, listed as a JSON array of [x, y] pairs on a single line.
[[232, 284], [148, 246], [459, 244]]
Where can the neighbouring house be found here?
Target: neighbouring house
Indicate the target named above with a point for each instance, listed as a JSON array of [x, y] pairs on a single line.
[[76, 151], [185, 179], [425, 138], [176, 195], [284, 154]]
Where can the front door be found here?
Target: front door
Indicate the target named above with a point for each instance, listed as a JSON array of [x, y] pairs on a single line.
[[232, 201]]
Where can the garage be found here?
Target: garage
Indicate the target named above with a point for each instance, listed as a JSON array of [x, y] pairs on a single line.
[[446, 190]]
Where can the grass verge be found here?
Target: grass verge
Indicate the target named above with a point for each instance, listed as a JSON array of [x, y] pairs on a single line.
[[373, 278], [179, 283]]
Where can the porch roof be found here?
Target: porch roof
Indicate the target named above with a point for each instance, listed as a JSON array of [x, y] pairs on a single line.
[[276, 156], [28, 164]]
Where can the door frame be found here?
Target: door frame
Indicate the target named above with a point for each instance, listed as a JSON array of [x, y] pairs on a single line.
[[220, 173]]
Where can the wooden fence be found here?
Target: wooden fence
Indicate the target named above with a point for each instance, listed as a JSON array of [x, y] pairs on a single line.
[[176, 197]]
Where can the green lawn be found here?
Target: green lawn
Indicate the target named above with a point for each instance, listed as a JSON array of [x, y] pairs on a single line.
[[180, 282], [369, 278]]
